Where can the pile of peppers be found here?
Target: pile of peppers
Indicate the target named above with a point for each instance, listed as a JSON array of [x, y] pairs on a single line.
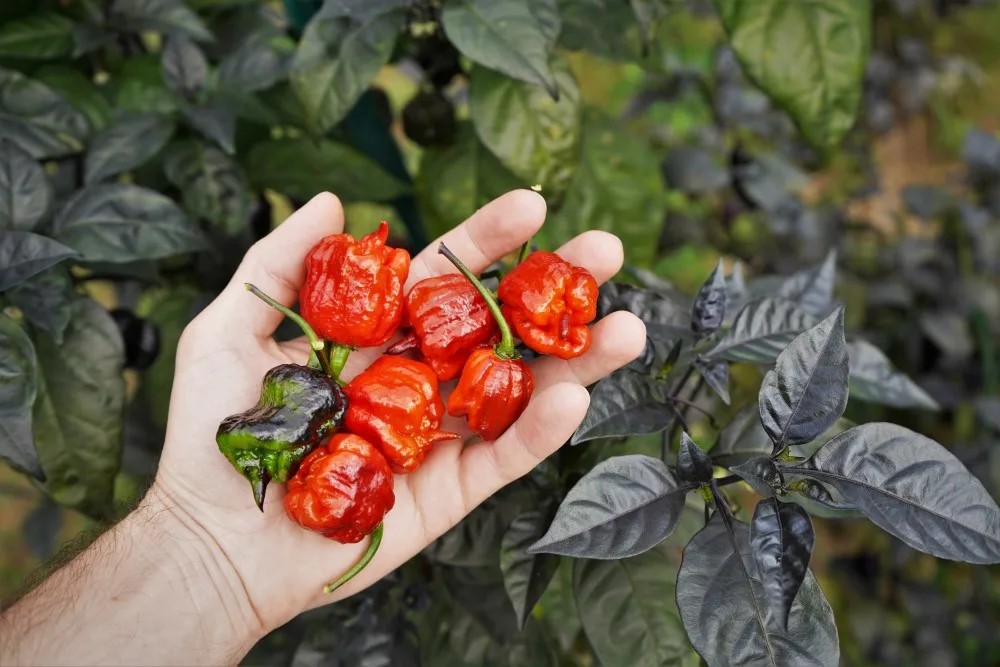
[[338, 445]]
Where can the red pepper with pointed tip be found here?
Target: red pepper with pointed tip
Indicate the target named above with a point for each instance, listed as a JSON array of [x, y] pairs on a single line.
[[342, 489], [353, 292], [496, 384], [549, 302], [449, 320], [491, 393], [395, 405]]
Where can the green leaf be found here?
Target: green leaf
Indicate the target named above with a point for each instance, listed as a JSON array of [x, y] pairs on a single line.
[[606, 38], [122, 223], [185, 67], [45, 300], [18, 387], [78, 411], [79, 91], [534, 136], [170, 310], [41, 35], [140, 87], [628, 611], [617, 187], [526, 575], [212, 185], [301, 168], [25, 192], [260, 62], [342, 50], [455, 181], [166, 16], [807, 55], [129, 143], [34, 116], [24, 254], [514, 37], [215, 122]]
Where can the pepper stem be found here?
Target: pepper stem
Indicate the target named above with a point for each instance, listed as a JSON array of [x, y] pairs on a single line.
[[525, 251], [505, 348], [361, 564], [338, 358], [315, 342]]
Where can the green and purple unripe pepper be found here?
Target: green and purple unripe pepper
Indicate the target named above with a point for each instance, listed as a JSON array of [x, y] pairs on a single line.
[[299, 407]]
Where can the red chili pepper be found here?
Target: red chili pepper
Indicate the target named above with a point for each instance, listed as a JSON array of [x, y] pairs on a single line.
[[450, 320], [395, 405], [342, 489], [492, 393], [353, 292], [550, 302], [496, 384]]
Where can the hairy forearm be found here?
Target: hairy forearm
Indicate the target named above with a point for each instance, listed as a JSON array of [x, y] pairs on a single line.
[[152, 590]]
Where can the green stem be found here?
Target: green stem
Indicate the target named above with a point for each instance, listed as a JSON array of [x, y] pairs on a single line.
[[525, 251], [338, 358], [315, 342], [361, 564], [505, 348]]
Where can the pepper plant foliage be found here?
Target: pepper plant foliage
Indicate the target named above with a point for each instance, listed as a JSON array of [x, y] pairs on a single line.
[[143, 144]]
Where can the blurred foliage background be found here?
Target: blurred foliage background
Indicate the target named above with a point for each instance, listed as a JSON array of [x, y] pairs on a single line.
[[706, 167]]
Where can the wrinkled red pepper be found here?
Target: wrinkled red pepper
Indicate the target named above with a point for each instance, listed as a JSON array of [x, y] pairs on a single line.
[[395, 405], [491, 393], [449, 320], [353, 292], [496, 384], [549, 302], [342, 489]]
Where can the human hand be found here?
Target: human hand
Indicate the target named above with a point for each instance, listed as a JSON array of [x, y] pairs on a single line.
[[268, 568]]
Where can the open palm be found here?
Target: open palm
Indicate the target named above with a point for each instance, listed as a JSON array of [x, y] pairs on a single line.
[[225, 352]]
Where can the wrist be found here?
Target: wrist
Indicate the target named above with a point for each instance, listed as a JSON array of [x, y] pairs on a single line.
[[200, 572]]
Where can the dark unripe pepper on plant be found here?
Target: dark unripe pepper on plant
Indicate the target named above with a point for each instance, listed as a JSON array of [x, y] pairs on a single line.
[[395, 405], [342, 490], [449, 320], [298, 407], [353, 292], [496, 383], [549, 302]]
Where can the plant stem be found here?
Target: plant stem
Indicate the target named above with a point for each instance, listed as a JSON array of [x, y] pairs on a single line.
[[361, 564], [525, 251], [315, 342], [727, 480], [695, 406], [679, 421], [505, 348], [338, 357]]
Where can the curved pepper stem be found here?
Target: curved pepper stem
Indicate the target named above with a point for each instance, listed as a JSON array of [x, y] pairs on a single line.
[[505, 348], [315, 342], [361, 564]]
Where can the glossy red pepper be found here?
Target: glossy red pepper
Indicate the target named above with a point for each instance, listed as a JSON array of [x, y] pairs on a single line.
[[449, 320], [342, 489], [496, 384], [491, 393], [353, 292], [395, 405], [549, 302]]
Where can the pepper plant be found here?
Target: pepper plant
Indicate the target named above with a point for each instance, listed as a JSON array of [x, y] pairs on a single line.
[[146, 144]]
